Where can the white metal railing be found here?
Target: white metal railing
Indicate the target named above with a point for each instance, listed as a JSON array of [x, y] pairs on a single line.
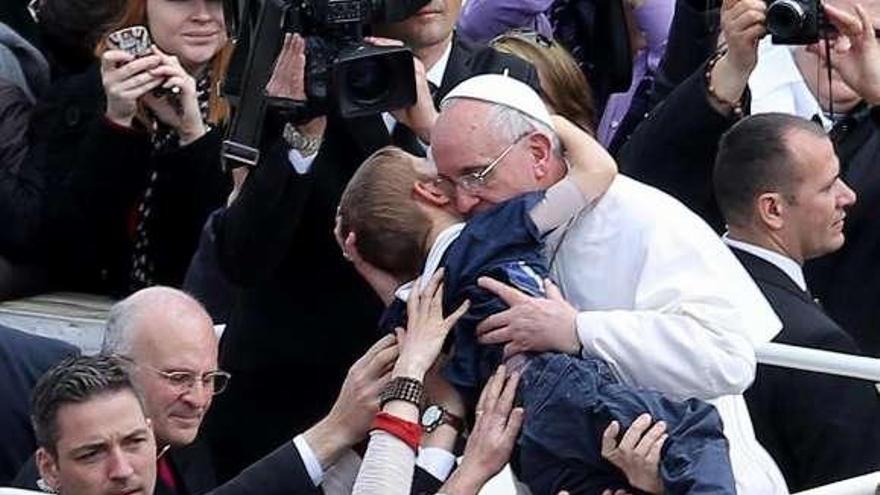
[[834, 363]]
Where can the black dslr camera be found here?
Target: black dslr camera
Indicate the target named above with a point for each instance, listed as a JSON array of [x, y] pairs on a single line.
[[342, 72], [795, 22]]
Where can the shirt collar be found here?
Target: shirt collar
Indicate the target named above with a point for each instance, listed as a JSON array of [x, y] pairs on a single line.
[[432, 263], [791, 267], [435, 73]]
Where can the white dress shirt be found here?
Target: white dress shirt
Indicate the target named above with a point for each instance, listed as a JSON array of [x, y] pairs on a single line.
[[436, 461], [669, 308], [777, 85]]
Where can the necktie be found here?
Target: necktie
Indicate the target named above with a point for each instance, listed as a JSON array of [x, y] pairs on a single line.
[[165, 475]]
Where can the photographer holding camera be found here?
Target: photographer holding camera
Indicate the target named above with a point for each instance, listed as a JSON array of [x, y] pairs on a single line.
[[303, 312], [795, 80]]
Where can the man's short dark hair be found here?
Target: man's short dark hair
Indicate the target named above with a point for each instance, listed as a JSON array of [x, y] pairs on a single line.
[[74, 380], [754, 158]]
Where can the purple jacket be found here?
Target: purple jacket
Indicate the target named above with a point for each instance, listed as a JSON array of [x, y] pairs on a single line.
[[482, 20]]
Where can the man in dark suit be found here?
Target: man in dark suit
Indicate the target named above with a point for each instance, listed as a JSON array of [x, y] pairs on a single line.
[[303, 313], [136, 339], [778, 186], [168, 340], [23, 358], [94, 438]]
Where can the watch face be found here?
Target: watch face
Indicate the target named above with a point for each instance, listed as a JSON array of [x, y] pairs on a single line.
[[431, 416]]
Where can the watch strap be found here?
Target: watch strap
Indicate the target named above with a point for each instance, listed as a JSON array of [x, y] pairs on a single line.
[[306, 145]]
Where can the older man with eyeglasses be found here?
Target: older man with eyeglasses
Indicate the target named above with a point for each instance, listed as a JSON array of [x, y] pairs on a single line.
[[167, 339]]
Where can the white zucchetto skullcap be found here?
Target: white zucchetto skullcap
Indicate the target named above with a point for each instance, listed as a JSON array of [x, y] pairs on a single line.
[[503, 90]]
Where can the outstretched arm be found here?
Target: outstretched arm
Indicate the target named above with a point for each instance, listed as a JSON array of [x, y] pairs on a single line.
[[591, 171]]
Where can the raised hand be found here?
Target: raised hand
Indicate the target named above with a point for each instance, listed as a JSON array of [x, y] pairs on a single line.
[[638, 452], [357, 403], [426, 328], [288, 80], [855, 51], [126, 79], [492, 439], [179, 111]]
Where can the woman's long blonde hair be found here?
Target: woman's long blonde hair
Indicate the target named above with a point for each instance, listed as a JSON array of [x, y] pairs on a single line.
[[564, 85], [135, 14]]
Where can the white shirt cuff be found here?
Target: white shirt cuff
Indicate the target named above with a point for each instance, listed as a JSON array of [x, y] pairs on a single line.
[[301, 164], [436, 461], [313, 466]]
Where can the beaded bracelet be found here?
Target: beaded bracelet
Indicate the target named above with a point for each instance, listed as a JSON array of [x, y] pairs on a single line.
[[405, 389], [735, 106], [408, 432]]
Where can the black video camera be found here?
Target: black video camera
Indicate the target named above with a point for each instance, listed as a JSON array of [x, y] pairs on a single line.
[[342, 72], [796, 22], [361, 79]]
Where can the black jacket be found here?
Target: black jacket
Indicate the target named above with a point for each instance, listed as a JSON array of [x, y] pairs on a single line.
[[23, 360], [819, 428], [847, 281], [674, 148], [303, 314], [96, 174]]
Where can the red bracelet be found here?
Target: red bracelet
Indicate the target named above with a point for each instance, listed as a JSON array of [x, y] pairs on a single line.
[[408, 432]]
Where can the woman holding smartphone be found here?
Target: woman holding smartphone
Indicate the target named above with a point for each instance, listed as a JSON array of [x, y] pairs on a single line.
[[133, 149]]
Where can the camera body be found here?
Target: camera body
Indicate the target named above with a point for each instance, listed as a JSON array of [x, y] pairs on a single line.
[[795, 22], [343, 71]]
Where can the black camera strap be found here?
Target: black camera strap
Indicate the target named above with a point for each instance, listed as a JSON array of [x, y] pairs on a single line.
[[241, 147]]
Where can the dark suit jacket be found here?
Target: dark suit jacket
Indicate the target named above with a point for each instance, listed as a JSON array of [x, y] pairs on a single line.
[[191, 465], [23, 359], [847, 281], [819, 428], [674, 148], [283, 473], [303, 314]]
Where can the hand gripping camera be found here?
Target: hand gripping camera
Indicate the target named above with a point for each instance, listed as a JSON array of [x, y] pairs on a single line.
[[342, 73]]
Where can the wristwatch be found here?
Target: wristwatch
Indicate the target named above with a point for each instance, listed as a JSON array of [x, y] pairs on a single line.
[[434, 416], [304, 144]]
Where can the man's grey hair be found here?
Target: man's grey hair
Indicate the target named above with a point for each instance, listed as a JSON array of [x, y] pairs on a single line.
[[124, 316], [119, 334], [510, 124]]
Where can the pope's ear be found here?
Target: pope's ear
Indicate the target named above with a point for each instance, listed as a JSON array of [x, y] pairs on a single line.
[[541, 149]]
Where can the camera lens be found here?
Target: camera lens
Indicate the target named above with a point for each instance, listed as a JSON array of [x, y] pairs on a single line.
[[367, 81], [785, 18]]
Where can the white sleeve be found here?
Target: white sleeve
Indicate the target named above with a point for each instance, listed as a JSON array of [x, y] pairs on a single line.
[[387, 468], [313, 466], [678, 355], [301, 164], [686, 316], [436, 461], [339, 478]]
